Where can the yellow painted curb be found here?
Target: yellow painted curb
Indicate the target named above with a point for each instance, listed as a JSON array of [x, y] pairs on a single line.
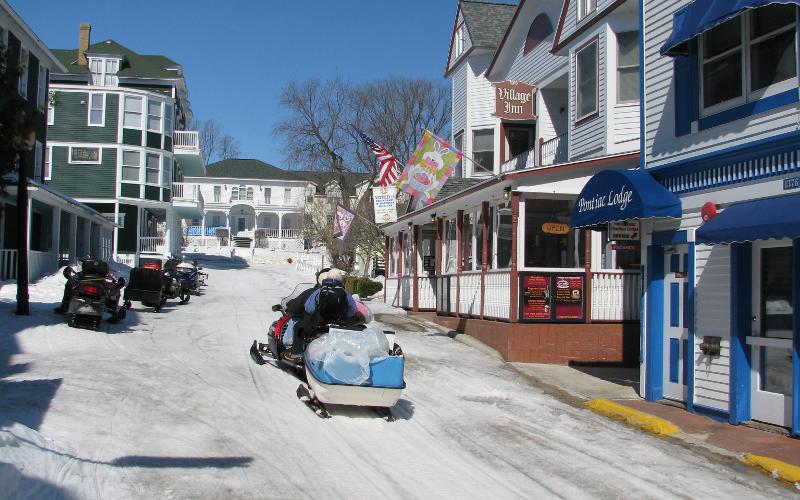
[[634, 418], [778, 469]]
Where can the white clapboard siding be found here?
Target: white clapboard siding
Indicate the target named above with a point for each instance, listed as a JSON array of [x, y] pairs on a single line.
[[481, 93], [539, 63], [453, 289], [459, 95], [589, 137], [498, 295], [662, 147], [467, 40], [626, 128]]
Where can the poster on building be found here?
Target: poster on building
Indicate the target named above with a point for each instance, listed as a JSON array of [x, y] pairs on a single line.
[[536, 297], [384, 200], [568, 297], [623, 230]]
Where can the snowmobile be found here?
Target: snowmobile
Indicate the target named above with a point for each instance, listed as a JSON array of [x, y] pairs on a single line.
[[93, 291], [188, 277], [380, 391], [153, 284]]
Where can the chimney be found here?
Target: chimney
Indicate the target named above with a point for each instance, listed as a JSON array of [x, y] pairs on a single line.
[[83, 43]]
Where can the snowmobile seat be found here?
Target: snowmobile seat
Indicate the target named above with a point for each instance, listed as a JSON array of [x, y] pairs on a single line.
[[94, 268]]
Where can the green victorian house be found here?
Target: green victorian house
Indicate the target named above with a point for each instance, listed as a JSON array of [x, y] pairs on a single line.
[[117, 143]]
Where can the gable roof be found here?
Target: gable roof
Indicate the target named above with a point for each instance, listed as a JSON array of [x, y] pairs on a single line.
[[322, 179], [486, 23], [134, 66], [237, 168]]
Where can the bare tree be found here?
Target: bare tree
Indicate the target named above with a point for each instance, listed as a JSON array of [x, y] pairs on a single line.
[[214, 144], [319, 135]]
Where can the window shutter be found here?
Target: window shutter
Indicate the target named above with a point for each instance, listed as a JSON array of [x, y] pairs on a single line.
[[687, 90]]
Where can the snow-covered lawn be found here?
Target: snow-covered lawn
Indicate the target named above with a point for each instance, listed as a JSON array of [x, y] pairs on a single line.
[[170, 405]]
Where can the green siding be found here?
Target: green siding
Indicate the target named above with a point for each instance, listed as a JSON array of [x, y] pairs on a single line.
[[84, 181], [71, 119], [151, 193], [129, 190], [127, 235], [132, 136]]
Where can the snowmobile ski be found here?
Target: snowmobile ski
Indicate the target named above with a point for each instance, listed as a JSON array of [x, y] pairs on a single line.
[[305, 395]]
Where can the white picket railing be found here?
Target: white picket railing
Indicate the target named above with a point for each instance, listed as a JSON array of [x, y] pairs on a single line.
[[554, 150], [8, 264], [186, 139], [453, 293], [497, 294], [616, 295], [519, 162], [392, 287], [184, 191], [406, 295], [151, 244], [469, 297], [292, 234], [427, 292]]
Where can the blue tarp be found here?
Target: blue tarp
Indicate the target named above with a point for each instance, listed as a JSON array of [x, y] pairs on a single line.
[[702, 15], [616, 195], [777, 217]]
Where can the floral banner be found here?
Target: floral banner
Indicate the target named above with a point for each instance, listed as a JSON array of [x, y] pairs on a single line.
[[432, 163]]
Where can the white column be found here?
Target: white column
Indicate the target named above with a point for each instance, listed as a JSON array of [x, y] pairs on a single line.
[[139, 216], [280, 225], [115, 232], [55, 242], [168, 232], [73, 238]]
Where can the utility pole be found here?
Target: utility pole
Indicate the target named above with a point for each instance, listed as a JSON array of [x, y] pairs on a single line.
[[24, 147]]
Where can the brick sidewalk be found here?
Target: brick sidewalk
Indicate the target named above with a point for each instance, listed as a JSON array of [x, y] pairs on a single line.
[[734, 438]]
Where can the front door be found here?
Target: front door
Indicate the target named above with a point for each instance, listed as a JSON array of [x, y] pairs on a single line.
[[677, 357], [242, 222], [771, 339]]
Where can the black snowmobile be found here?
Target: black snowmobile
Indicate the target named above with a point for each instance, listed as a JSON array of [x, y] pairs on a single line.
[[93, 291]]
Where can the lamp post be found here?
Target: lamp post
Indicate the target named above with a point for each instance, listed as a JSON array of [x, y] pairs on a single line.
[[24, 144]]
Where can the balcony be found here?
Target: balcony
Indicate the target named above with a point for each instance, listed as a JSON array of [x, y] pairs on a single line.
[[183, 191], [186, 140], [152, 244], [519, 162], [553, 150]]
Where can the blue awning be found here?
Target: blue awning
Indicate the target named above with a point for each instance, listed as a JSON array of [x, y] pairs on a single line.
[[616, 195], [777, 217], [702, 15]]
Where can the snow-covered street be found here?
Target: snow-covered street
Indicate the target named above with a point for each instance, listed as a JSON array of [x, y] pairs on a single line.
[[170, 405]]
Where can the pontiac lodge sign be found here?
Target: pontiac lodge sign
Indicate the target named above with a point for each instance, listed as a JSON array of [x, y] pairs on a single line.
[[514, 100]]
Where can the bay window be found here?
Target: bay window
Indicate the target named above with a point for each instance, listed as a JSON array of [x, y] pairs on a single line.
[[166, 176], [154, 115], [586, 78], [151, 168], [133, 112], [104, 71], [483, 151], [628, 67], [748, 57], [131, 165], [168, 119]]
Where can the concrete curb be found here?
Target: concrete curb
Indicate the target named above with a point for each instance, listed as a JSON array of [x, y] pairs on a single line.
[[634, 418], [773, 467]]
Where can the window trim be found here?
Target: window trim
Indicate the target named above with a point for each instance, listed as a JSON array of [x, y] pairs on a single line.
[[580, 120], [50, 110], [146, 168], [747, 95], [140, 113], [582, 10], [123, 165], [101, 81], [483, 172], [90, 109], [166, 177], [461, 39], [621, 67], [160, 128], [99, 156], [47, 172]]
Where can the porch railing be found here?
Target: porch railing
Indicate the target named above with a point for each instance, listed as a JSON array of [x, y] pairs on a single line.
[[469, 297], [519, 162], [497, 293], [186, 139], [616, 295], [8, 264], [427, 292], [198, 231], [554, 150], [182, 191], [291, 233], [151, 244]]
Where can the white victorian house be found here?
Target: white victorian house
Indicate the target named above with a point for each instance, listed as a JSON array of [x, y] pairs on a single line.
[[251, 202]]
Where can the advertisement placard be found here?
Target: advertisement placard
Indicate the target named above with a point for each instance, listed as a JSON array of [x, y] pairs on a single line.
[[536, 297], [552, 297], [569, 297], [384, 200], [623, 230]]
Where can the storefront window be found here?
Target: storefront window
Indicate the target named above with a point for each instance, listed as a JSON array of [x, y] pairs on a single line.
[[490, 239], [466, 241], [478, 240], [549, 241], [408, 254], [504, 232], [392, 257], [621, 254]]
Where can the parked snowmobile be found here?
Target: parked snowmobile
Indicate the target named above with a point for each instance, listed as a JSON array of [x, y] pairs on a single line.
[[188, 277], [153, 283], [381, 390], [93, 291]]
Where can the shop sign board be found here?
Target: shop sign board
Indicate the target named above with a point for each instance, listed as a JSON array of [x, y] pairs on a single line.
[[384, 200], [623, 230], [552, 297], [555, 228], [428, 263], [514, 100], [791, 183]]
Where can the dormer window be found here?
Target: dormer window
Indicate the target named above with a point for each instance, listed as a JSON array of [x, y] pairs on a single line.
[[586, 7], [461, 39], [104, 71]]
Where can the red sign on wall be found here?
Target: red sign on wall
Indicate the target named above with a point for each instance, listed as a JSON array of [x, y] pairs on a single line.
[[514, 100], [569, 297], [536, 297], [552, 297]]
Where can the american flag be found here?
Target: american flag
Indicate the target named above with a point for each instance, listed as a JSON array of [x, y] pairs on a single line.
[[387, 161]]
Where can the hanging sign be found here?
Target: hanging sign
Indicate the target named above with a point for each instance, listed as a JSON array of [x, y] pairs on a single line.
[[555, 228], [384, 201], [623, 230], [514, 100]]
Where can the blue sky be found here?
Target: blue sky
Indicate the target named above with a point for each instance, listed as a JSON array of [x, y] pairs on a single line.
[[237, 55]]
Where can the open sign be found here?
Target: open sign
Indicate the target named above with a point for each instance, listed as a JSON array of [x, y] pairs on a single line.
[[555, 228]]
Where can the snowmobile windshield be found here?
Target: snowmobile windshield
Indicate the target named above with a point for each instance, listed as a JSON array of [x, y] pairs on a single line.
[[298, 289]]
